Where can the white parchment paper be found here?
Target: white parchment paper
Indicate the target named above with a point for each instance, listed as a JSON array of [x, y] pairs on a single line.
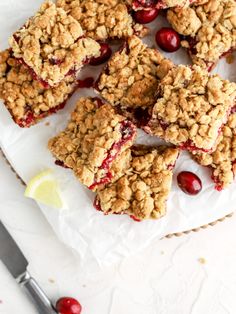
[[98, 238]]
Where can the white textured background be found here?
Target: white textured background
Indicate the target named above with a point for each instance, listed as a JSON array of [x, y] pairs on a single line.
[[165, 278]]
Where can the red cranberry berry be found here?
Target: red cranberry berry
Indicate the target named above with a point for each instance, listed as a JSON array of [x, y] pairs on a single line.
[[105, 55], [189, 182], [145, 3], [67, 305], [167, 39], [145, 16]]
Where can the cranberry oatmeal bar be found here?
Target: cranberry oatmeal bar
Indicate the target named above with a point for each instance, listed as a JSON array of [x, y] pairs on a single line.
[[27, 100], [223, 160], [103, 19], [93, 139], [143, 190], [52, 45], [192, 108], [159, 4], [131, 78], [209, 28]]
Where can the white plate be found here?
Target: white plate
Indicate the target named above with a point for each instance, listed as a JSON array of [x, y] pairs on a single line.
[[98, 238]]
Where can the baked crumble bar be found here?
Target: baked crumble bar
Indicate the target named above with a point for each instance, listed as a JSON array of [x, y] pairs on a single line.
[[192, 108], [27, 100], [52, 45], [159, 4], [209, 28], [93, 139], [223, 160], [103, 19], [143, 190], [131, 78]]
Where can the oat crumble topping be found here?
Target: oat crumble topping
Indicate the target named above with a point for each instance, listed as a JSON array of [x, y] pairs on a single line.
[[210, 27], [191, 108], [132, 75], [103, 19], [27, 100], [143, 190], [93, 139], [51, 44], [223, 160]]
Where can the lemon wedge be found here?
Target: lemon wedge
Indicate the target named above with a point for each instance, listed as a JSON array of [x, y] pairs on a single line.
[[44, 188]]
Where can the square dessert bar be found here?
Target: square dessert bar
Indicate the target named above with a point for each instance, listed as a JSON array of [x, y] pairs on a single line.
[[102, 19], [131, 77], [209, 28], [93, 139], [159, 4], [191, 108], [27, 100], [223, 160], [52, 45], [143, 190]]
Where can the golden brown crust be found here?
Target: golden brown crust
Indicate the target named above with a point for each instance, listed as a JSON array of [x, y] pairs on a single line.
[[222, 160], [192, 108], [103, 19], [132, 75], [23, 96], [50, 44], [94, 134], [143, 190], [211, 25]]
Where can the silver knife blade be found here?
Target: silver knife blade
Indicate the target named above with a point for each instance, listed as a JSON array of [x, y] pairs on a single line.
[[10, 254]]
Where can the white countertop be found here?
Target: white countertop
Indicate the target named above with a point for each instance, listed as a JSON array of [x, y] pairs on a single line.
[[165, 278]]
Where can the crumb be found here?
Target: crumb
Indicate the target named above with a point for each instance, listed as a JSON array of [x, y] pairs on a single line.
[[84, 286], [162, 252], [47, 123], [51, 280], [202, 260]]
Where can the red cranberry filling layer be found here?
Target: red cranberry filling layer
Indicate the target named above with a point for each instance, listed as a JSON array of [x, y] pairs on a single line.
[[97, 206], [193, 51], [105, 55], [31, 118], [61, 164], [128, 132], [218, 184], [191, 147]]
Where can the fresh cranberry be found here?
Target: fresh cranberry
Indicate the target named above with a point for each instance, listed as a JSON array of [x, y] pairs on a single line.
[[68, 306], [145, 16], [104, 56], [189, 182], [168, 39], [145, 3]]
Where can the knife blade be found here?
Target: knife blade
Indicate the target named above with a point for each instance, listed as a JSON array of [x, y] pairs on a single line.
[[11, 255], [16, 263]]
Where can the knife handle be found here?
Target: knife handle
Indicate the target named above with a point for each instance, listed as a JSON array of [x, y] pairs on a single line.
[[42, 302]]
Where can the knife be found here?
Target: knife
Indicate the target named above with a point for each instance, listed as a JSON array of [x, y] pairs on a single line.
[[16, 263]]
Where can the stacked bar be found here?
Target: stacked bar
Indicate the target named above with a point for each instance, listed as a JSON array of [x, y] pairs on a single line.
[[209, 29]]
